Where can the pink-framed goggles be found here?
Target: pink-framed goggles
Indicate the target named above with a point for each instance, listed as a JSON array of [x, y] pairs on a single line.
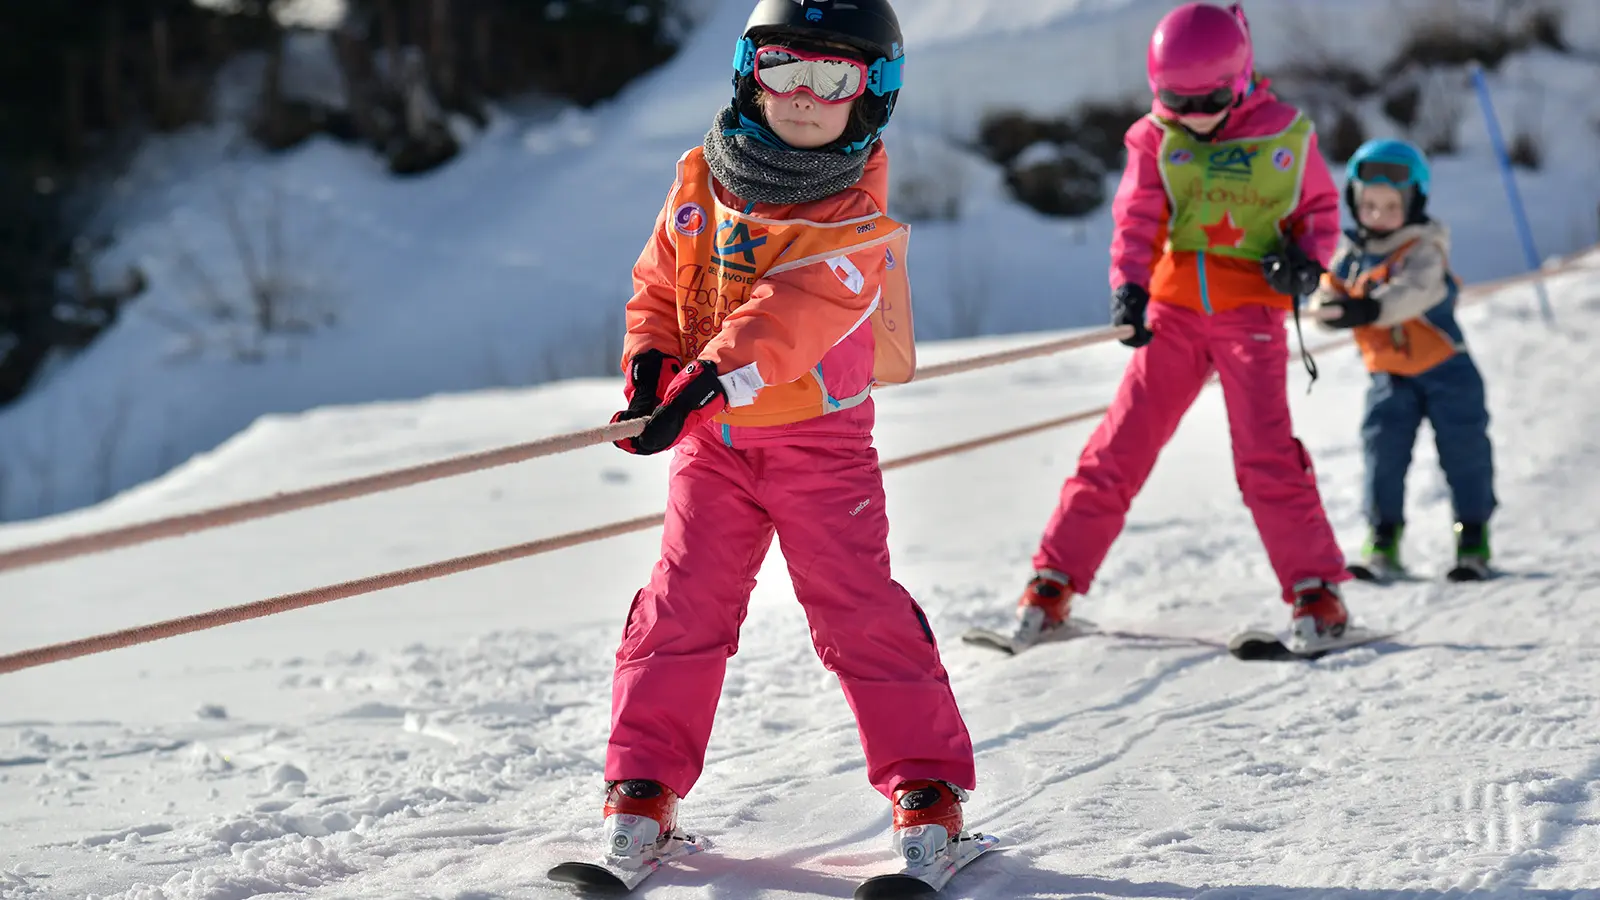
[[782, 71]]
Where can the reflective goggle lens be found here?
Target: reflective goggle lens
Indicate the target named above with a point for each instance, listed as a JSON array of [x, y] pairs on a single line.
[[830, 79], [1397, 174], [1197, 104]]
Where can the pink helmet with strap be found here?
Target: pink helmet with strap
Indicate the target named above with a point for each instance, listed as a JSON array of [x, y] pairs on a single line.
[[1198, 48]]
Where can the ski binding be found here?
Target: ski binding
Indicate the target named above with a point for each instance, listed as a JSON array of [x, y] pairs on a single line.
[[1028, 634], [1376, 572], [929, 878], [621, 874], [1258, 645], [1466, 569], [1469, 569]]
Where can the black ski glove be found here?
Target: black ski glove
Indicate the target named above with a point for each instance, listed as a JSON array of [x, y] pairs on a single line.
[[1349, 312], [1128, 304], [1290, 271], [692, 399], [649, 373]]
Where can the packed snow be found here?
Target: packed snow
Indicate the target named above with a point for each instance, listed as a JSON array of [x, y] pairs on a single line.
[[445, 739]]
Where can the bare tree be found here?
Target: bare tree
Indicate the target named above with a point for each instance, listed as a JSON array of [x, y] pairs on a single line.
[[933, 179], [41, 466], [587, 349], [494, 367], [1440, 112], [273, 291], [969, 291], [1527, 139], [108, 443]]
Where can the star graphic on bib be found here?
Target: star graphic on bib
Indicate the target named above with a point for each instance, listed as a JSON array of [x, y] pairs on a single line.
[[1224, 233]]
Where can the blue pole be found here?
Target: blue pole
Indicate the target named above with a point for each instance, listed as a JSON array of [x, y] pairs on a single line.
[[1518, 213]]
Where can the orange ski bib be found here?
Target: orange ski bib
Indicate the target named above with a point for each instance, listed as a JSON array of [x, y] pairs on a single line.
[[721, 255]]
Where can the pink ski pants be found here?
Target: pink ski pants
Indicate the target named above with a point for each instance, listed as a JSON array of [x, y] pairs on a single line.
[[826, 504], [1248, 349]]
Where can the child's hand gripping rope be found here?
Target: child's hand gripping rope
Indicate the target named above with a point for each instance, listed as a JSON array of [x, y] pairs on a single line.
[[649, 375], [693, 397]]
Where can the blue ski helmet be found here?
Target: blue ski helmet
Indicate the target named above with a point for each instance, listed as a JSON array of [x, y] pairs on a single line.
[[1396, 163]]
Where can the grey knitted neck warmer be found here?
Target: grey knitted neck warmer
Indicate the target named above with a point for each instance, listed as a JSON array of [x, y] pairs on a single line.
[[759, 171]]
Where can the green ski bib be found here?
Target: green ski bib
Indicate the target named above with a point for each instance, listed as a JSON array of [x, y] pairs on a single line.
[[1231, 197]]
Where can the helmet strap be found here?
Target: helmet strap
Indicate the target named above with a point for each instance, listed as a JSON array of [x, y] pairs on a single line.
[[757, 131]]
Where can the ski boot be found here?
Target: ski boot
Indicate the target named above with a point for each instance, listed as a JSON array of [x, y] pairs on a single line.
[[1319, 615], [640, 818], [1380, 556], [641, 836], [927, 821], [1043, 608], [1472, 552]]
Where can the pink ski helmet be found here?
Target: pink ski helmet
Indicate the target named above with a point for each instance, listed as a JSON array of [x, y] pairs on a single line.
[[1199, 48]]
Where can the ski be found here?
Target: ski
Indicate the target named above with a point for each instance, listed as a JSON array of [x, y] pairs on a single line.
[[1011, 644], [928, 880], [1377, 574], [1469, 570], [615, 876], [1268, 646]]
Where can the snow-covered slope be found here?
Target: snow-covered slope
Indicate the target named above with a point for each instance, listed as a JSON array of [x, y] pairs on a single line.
[[445, 740], [508, 266]]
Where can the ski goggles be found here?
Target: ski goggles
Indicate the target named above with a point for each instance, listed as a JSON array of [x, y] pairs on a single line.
[[1375, 171], [1208, 104], [782, 71]]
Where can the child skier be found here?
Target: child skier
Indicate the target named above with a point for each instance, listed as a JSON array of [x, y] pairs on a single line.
[[1224, 214], [777, 284], [1390, 283]]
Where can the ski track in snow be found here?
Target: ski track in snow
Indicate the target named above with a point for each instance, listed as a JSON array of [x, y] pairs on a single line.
[[1460, 759]]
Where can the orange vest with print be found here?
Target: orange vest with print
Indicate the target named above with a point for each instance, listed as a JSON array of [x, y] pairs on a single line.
[[1409, 348], [722, 253]]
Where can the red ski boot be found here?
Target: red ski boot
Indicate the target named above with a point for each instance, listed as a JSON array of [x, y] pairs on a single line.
[[1043, 607], [640, 816], [1048, 591], [927, 819], [1319, 614]]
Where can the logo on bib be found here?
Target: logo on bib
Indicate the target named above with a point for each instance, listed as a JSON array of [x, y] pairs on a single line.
[[734, 239], [1283, 158], [1233, 162], [690, 219], [1180, 157]]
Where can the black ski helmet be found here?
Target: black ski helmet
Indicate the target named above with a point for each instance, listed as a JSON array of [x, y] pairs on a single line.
[[869, 26]]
